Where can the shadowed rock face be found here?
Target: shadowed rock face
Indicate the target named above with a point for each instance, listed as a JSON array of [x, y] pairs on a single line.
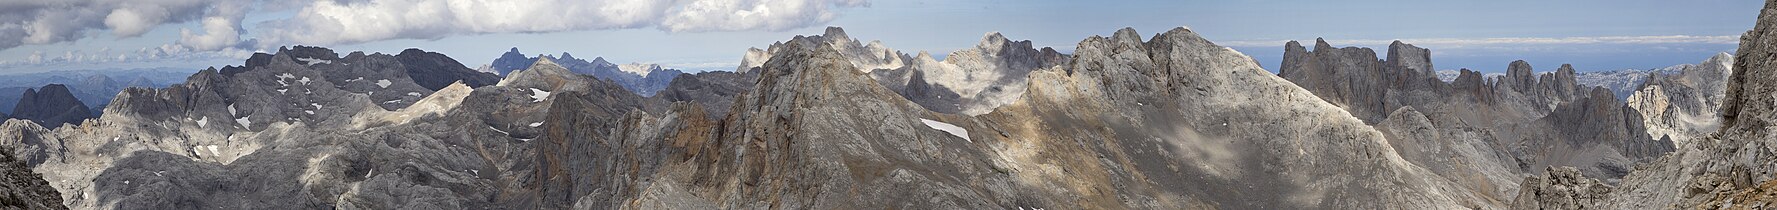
[[434, 71], [52, 105]]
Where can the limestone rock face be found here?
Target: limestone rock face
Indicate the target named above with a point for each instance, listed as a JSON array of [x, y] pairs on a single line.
[[1684, 105], [51, 106]]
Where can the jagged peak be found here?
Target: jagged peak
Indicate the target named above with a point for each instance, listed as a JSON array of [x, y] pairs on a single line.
[[1566, 69], [1519, 68], [835, 31], [1127, 35], [992, 40], [1321, 44]]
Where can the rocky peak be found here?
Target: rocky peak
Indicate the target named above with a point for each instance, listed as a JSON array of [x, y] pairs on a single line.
[[836, 35], [435, 71], [993, 42], [51, 106], [1519, 76], [1410, 57], [511, 60]]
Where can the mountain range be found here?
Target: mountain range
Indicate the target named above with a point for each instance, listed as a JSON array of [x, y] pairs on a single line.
[[1168, 121], [644, 79]]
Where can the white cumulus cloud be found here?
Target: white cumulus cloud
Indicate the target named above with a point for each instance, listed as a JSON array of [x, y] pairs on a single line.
[[327, 22], [330, 22]]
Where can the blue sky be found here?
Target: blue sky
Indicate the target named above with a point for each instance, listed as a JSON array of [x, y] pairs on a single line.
[[690, 34]]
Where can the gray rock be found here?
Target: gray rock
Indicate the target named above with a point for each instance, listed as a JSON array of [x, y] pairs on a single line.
[[1561, 188]]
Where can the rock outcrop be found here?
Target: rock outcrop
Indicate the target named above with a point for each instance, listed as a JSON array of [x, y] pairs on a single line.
[[52, 106], [1561, 188], [20, 188]]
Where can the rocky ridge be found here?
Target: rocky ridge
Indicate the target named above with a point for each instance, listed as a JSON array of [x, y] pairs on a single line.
[[643, 79], [1171, 122], [970, 81]]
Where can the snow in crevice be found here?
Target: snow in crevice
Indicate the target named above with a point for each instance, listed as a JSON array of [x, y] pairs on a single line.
[[317, 106], [414, 94], [304, 80], [213, 150], [536, 124], [392, 101], [281, 91], [231, 111], [355, 79], [959, 132], [313, 61], [383, 83], [538, 95], [498, 130], [245, 123], [309, 111]]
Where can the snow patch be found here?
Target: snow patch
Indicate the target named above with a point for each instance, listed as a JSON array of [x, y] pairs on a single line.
[[948, 128], [304, 80], [383, 83], [355, 79], [317, 106], [281, 90], [309, 111], [245, 123], [213, 150], [231, 111], [535, 124], [313, 61], [538, 95], [498, 130], [286, 76], [203, 121], [392, 101], [414, 94]]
